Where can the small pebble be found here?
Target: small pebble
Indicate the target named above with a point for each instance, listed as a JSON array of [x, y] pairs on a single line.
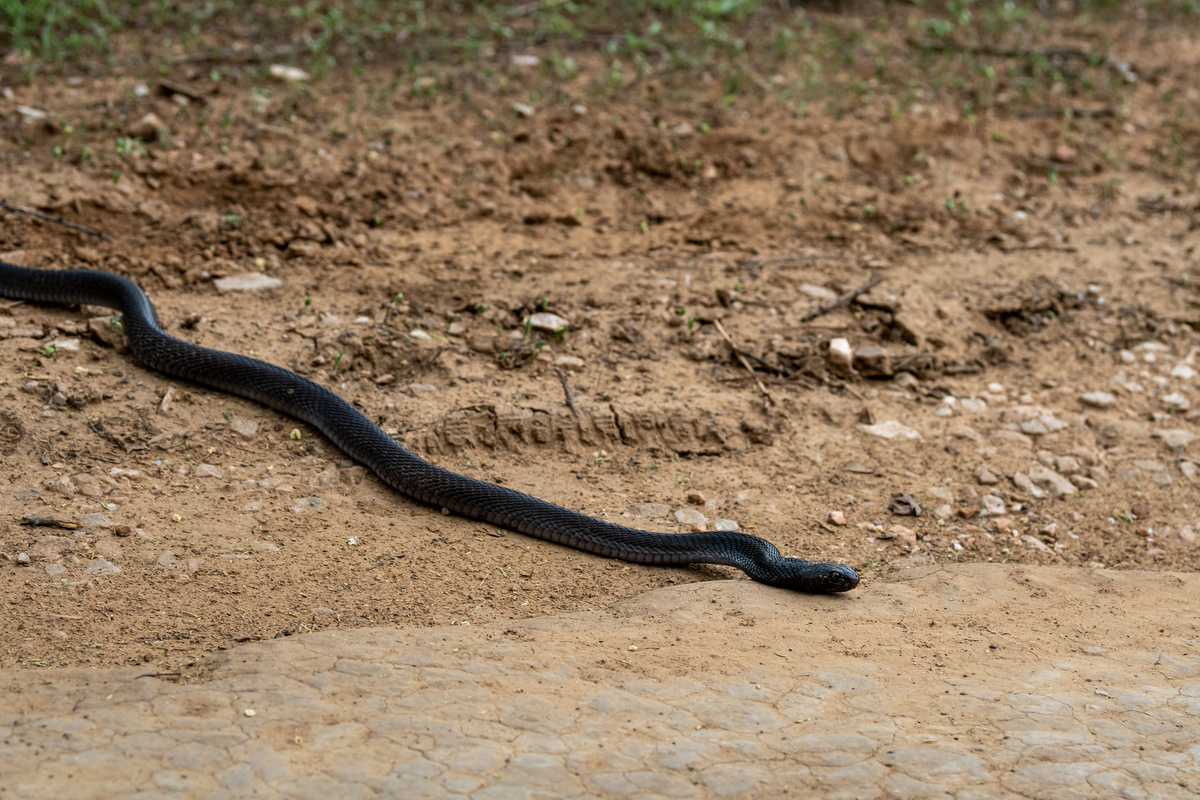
[[245, 428], [1049, 479], [891, 429], [1184, 372], [836, 518], [248, 282], [569, 362], [690, 516], [992, 504], [545, 321], [841, 356], [985, 477], [1098, 399], [696, 498], [1175, 438], [725, 525]]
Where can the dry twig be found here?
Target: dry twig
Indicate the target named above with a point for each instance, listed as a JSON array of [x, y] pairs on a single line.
[[75, 226], [841, 300], [737, 352], [562, 378]]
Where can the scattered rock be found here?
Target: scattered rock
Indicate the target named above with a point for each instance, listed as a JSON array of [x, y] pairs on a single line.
[[907, 535], [1023, 482], [569, 362], [247, 282], [819, 293], [87, 485], [545, 321], [105, 331], [649, 510], [725, 525], [101, 566], [993, 505], [1175, 438], [288, 74], [944, 511], [1098, 399], [903, 505], [308, 504], [690, 516], [973, 405], [940, 493], [964, 432], [985, 477], [891, 429], [1041, 425], [64, 486], [873, 361], [841, 357], [836, 518], [696, 498], [1066, 465], [1005, 525], [245, 428], [1034, 542], [50, 548], [1184, 372], [148, 128], [1049, 479], [206, 471], [1083, 482]]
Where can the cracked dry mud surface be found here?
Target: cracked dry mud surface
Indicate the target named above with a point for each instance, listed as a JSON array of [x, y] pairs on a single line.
[[1025, 372], [970, 681]]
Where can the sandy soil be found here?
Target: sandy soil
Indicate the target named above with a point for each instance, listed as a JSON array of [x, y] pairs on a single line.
[[1027, 257]]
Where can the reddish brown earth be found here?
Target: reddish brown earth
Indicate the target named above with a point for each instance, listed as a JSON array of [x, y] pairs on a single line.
[[1045, 253]]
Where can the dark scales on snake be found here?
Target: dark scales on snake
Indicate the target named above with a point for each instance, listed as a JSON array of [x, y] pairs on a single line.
[[403, 470]]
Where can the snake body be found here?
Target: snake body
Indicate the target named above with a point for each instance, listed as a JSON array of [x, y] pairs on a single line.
[[400, 468]]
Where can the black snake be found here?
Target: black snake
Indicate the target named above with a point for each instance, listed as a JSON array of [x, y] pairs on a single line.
[[404, 471]]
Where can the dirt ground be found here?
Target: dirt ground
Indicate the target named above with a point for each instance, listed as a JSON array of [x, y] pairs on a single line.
[[1032, 251]]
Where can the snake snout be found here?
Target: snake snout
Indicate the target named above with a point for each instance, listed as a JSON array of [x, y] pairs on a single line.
[[841, 578]]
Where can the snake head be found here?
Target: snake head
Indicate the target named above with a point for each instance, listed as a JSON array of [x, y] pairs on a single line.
[[818, 577], [839, 578]]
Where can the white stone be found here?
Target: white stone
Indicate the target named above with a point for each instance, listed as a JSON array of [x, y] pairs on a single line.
[[1175, 438], [569, 362], [244, 427], [818, 292], [690, 516], [1183, 371], [891, 429], [840, 354], [248, 282], [289, 74], [1176, 400], [1098, 399], [545, 321], [1049, 479]]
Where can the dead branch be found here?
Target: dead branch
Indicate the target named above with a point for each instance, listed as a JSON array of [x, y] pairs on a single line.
[[841, 300]]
